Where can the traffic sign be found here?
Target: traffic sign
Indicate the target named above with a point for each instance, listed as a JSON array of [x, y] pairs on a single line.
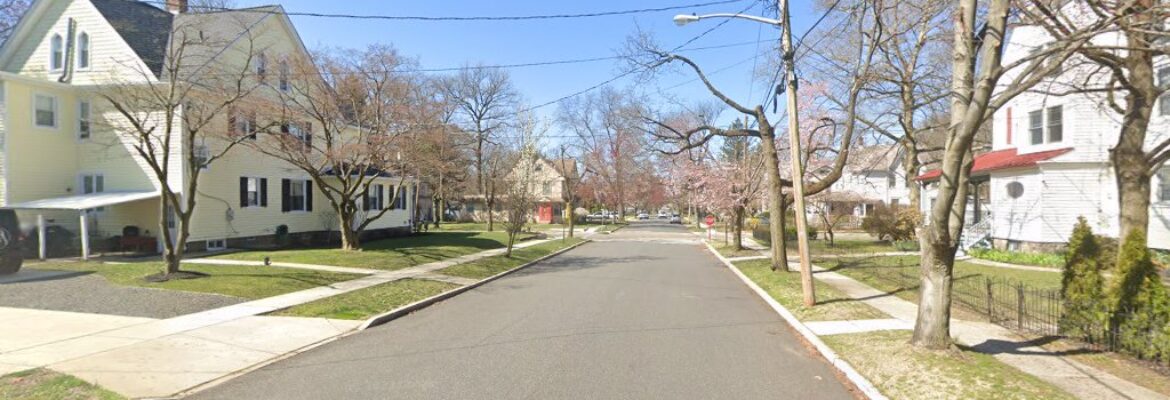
[[710, 220]]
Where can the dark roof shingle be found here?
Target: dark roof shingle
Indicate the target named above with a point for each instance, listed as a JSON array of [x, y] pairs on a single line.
[[144, 27]]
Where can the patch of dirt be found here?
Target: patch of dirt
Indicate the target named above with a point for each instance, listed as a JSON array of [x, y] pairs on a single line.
[[180, 275]]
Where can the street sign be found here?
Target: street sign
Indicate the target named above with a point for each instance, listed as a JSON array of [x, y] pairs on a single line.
[[710, 220]]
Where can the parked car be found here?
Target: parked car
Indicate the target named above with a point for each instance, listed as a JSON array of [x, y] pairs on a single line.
[[675, 219], [600, 216], [643, 216], [11, 243], [662, 215]]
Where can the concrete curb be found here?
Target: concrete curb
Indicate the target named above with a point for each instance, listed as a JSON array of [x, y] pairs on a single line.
[[859, 381], [427, 302]]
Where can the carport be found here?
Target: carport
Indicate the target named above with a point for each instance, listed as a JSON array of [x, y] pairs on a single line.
[[79, 203]]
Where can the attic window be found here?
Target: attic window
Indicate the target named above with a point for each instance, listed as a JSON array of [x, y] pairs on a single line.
[[56, 53], [261, 66], [1015, 189], [83, 51], [283, 75], [1164, 84]]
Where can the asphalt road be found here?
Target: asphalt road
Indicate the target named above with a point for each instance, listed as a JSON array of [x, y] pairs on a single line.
[[645, 313]]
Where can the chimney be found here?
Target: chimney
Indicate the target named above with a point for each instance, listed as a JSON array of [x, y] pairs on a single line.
[[177, 6]]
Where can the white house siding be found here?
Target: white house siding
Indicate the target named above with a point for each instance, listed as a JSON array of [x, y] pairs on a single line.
[[111, 58], [1021, 218]]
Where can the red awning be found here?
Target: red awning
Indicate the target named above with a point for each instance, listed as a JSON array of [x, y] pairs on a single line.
[[1001, 159]]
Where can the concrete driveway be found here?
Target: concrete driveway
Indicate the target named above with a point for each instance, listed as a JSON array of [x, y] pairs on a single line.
[[644, 314]]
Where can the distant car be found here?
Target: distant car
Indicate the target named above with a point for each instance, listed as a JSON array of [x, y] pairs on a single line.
[[11, 243], [643, 216], [675, 219], [663, 215]]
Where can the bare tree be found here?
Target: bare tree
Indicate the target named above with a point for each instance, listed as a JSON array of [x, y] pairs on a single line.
[[978, 65], [566, 163], [10, 13], [520, 182], [174, 123], [485, 102], [608, 126], [345, 117]]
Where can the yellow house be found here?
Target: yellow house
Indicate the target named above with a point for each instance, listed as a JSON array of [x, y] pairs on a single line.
[[66, 159]]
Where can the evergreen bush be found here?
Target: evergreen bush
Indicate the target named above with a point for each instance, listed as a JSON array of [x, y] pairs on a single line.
[[1141, 305], [1081, 287]]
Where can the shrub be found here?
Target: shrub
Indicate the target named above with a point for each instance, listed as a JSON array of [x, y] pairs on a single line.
[[1081, 285], [1020, 257], [790, 232], [907, 245], [891, 223], [1141, 306]]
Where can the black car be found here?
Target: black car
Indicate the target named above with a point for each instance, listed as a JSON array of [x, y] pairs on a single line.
[[11, 245]]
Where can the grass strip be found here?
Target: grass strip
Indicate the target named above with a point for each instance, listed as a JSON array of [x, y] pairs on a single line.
[[365, 303], [249, 282], [785, 288], [44, 384]]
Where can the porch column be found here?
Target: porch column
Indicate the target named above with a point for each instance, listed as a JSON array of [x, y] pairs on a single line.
[[41, 249], [84, 235], [978, 213]]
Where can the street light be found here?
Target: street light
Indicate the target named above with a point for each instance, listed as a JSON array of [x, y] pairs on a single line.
[[788, 57], [683, 19]]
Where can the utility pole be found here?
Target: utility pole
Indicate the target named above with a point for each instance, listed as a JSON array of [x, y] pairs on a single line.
[[788, 56]]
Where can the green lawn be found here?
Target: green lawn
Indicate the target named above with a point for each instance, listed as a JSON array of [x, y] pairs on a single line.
[[785, 288], [485, 267], [903, 372], [389, 254], [883, 273], [1050, 260], [365, 303], [728, 250], [250, 282], [44, 384]]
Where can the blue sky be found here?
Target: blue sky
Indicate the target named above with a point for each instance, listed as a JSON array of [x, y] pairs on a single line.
[[451, 44]]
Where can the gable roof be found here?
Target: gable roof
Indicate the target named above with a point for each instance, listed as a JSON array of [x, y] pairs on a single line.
[[1001, 159], [146, 28]]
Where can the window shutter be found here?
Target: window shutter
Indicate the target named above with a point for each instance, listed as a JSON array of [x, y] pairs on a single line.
[[308, 136], [308, 195], [252, 127], [263, 192], [232, 127], [366, 199], [243, 192], [284, 128], [381, 197], [285, 201], [393, 198]]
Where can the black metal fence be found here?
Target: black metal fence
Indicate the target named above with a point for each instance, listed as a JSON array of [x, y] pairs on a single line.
[[1037, 311]]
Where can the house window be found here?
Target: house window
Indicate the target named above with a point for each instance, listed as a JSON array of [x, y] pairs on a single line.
[[284, 76], [375, 199], [547, 189], [244, 124], [297, 196], [1164, 185], [46, 111], [1015, 189], [93, 183], [261, 66], [253, 192], [202, 155], [216, 244], [56, 53], [83, 127], [1050, 130], [1055, 124], [83, 51], [300, 131], [1164, 84]]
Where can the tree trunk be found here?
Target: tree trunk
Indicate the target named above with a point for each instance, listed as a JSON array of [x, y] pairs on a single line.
[[349, 238], [738, 237], [569, 206], [781, 245], [775, 199], [933, 326], [491, 216], [910, 167], [1129, 160], [511, 242]]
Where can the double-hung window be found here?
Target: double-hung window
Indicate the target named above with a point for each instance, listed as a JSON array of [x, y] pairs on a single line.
[[296, 195], [83, 126], [1164, 185], [1164, 84], [253, 192], [284, 72], [1046, 125], [375, 197], [261, 66], [202, 155], [46, 110]]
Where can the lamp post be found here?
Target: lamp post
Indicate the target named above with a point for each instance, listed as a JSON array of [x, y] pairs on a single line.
[[787, 56]]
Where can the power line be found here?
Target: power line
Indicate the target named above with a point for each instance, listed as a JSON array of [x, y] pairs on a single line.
[[265, 10]]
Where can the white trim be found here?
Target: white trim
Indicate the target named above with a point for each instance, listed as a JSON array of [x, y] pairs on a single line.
[[304, 192], [88, 119], [56, 111], [5, 137], [52, 54], [88, 50], [259, 192], [222, 244]]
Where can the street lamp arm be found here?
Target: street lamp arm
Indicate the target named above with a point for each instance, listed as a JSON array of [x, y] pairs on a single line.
[[683, 19]]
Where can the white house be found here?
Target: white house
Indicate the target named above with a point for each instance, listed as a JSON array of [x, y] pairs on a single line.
[[1049, 164], [872, 176]]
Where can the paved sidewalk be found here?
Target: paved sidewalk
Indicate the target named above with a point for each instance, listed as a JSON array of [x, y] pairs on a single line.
[[144, 357], [1081, 380]]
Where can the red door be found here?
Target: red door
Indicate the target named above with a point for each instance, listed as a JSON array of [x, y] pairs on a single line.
[[545, 214]]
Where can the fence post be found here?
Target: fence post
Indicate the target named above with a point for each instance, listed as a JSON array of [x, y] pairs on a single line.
[[1020, 306], [990, 301]]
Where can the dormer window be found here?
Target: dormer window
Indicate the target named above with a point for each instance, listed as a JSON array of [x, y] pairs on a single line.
[[83, 51], [56, 52], [1046, 125]]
